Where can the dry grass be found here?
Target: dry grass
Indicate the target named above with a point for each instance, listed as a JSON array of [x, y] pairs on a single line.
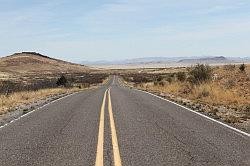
[[21, 98], [231, 88], [168, 87], [217, 94], [210, 93], [225, 97]]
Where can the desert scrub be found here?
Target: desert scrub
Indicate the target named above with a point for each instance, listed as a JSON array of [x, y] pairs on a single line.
[[229, 88], [210, 92], [242, 67], [25, 111], [21, 98], [213, 93], [181, 76], [200, 73], [229, 67], [173, 87], [232, 119]]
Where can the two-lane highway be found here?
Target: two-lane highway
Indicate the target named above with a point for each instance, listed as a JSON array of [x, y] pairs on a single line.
[[114, 125], [100, 144]]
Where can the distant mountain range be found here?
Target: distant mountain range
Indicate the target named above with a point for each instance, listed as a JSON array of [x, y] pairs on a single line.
[[133, 61], [219, 59], [176, 60]]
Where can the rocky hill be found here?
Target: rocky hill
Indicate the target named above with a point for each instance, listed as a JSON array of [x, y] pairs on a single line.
[[31, 62]]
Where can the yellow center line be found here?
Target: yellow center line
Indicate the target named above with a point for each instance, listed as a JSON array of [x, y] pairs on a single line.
[[99, 154], [116, 152]]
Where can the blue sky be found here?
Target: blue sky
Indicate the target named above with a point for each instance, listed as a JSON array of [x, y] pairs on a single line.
[[79, 30]]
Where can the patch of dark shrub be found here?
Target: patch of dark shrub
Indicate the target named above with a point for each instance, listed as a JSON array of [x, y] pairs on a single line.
[[181, 76], [242, 67], [200, 73]]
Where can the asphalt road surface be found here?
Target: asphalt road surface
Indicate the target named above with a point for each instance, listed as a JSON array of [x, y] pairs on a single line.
[[114, 125]]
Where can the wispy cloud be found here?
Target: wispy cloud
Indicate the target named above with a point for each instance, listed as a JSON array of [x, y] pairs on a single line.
[[112, 28]]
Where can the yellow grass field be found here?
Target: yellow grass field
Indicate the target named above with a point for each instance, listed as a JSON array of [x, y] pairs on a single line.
[[232, 87], [210, 93], [21, 98]]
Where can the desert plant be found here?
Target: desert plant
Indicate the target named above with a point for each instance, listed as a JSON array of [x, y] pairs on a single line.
[[169, 79], [62, 81], [159, 78], [203, 93], [200, 73], [230, 83], [248, 108], [162, 83], [141, 79], [242, 67], [25, 111], [7, 87], [232, 119], [229, 67], [181, 76], [85, 85]]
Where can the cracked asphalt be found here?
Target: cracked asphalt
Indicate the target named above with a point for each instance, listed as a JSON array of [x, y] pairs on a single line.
[[150, 131]]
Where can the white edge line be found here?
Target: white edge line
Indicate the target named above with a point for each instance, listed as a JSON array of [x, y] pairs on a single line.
[[225, 125], [38, 109]]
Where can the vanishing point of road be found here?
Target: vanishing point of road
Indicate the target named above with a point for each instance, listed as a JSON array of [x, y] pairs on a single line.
[[116, 125]]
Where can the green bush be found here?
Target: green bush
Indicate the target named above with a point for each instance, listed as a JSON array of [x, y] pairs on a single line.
[[181, 76], [242, 67], [200, 73], [62, 81], [142, 79], [162, 83], [169, 79], [7, 87], [160, 78], [25, 111]]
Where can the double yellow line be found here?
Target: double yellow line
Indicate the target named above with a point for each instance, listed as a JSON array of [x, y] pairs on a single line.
[[116, 152]]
